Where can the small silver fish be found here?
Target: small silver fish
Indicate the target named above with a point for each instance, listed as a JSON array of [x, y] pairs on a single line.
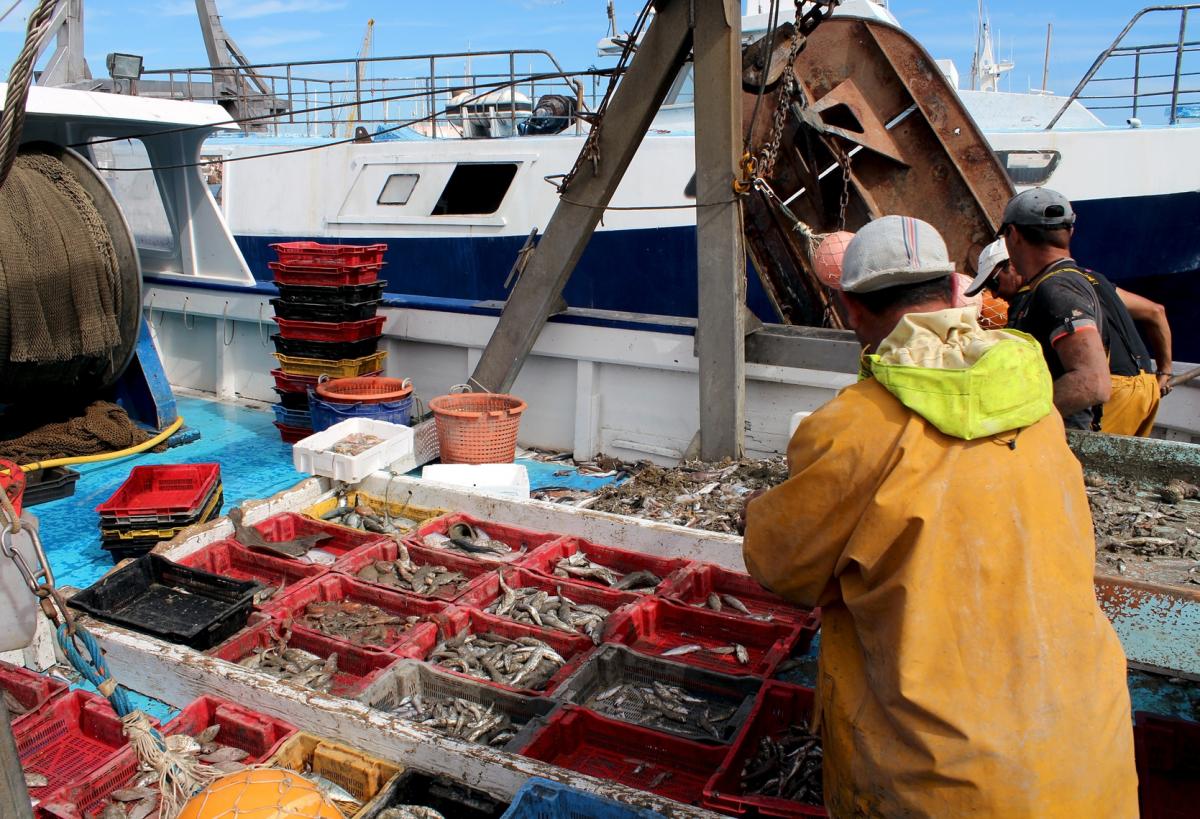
[[679, 651]]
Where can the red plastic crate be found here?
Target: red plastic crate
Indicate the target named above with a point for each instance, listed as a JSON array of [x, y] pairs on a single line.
[[162, 490], [71, 737], [325, 275], [357, 667], [286, 382], [436, 617], [317, 253], [488, 591], [341, 540], [388, 550], [31, 689], [779, 706], [517, 538], [254, 733], [621, 561], [229, 558], [1168, 765], [655, 626], [584, 741], [330, 330], [693, 587], [573, 649]]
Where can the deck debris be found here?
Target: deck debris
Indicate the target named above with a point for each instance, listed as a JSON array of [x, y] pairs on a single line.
[[787, 766], [410, 812], [537, 607], [362, 624], [524, 662], [1145, 531], [695, 494]]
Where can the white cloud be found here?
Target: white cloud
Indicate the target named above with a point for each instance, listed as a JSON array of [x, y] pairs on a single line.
[[231, 10], [271, 39]]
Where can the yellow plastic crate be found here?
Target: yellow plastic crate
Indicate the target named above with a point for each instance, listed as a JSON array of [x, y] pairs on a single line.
[[345, 368], [169, 533], [357, 772], [394, 508]]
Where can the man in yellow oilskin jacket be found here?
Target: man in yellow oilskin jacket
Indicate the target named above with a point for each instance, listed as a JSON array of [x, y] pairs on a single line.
[[936, 514]]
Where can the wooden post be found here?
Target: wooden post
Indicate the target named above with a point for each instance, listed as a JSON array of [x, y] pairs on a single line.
[[537, 292], [720, 329]]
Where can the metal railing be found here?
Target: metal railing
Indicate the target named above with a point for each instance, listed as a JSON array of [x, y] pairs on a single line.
[[1157, 80], [329, 98]]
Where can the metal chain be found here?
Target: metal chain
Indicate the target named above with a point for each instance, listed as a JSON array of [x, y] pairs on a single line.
[[844, 160]]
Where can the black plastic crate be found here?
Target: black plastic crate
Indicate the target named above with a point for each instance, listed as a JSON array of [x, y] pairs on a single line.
[[333, 296], [292, 400], [445, 795], [614, 665], [45, 485], [129, 549], [174, 603], [315, 311], [325, 350]]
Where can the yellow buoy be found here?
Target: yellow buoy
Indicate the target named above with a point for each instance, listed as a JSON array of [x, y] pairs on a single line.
[[260, 793]]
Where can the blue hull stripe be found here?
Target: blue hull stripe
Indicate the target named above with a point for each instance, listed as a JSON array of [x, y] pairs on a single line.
[[1150, 245]]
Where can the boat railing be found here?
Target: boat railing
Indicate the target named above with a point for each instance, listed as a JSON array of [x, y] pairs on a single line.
[[432, 93], [1150, 78]]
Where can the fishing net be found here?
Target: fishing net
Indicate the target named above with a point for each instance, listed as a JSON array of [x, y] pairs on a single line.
[[993, 313], [59, 274], [103, 427]]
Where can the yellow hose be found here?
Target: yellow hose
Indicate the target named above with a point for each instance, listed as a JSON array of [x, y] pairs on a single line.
[[108, 456]]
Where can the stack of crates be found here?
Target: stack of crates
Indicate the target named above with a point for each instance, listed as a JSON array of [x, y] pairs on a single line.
[[156, 503], [326, 312]]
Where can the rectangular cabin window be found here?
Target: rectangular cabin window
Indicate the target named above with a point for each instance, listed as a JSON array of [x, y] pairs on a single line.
[[397, 189], [474, 189], [137, 192], [1029, 167]]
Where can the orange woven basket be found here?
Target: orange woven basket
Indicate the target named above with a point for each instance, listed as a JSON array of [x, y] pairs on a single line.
[[477, 428], [364, 390]]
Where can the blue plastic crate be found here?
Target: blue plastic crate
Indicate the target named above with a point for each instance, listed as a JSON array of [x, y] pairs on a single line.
[[327, 413], [543, 799], [293, 417]]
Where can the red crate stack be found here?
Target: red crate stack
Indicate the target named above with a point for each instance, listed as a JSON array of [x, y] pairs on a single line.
[[318, 321]]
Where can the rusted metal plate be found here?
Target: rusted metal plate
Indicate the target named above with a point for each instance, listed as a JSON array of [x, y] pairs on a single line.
[[871, 93], [1159, 626]]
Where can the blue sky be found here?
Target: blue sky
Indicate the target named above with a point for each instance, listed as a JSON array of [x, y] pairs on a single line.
[[167, 33]]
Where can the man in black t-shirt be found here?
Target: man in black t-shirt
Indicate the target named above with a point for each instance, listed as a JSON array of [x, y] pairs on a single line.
[[1056, 304]]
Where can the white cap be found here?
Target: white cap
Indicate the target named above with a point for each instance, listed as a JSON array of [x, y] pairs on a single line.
[[893, 251], [989, 257]]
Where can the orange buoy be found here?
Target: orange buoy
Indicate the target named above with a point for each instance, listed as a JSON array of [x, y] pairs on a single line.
[[828, 258], [260, 793]]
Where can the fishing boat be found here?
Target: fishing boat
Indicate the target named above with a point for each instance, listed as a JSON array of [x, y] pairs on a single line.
[[598, 381], [1134, 220]]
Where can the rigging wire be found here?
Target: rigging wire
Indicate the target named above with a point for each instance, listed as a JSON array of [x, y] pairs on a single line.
[[10, 10], [418, 94], [302, 149]]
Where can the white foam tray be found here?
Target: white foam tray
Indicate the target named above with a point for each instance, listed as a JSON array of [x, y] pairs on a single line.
[[506, 480], [396, 453]]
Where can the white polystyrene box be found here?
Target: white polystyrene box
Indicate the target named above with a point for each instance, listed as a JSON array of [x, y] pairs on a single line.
[[396, 453], [506, 480], [797, 417]]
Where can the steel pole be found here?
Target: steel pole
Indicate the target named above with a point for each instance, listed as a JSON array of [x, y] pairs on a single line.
[[14, 798]]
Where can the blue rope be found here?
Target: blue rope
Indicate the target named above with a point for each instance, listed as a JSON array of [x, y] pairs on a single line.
[[94, 670]]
